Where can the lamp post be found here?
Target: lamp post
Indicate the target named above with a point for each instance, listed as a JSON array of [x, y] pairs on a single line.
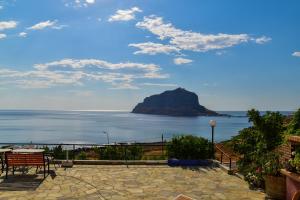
[[212, 123], [106, 133]]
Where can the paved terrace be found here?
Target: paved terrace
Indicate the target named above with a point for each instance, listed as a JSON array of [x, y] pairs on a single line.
[[119, 182]]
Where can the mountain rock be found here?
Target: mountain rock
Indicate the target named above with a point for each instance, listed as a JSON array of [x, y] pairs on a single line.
[[178, 102]]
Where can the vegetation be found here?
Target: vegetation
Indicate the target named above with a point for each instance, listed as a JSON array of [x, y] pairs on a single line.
[[81, 156], [132, 152], [293, 164], [293, 127], [257, 143], [58, 152], [188, 147]]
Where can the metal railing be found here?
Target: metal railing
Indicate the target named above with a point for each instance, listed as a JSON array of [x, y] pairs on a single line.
[[222, 152], [119, 151]]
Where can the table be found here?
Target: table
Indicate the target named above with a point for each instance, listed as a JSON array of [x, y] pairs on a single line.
[[28, 150], [2, 152]]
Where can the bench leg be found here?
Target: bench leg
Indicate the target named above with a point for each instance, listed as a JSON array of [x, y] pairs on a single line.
[[2, 164], [44, 170], [6, 172], [13, 172], [48, 168]]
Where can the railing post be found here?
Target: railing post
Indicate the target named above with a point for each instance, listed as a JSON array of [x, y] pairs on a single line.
[[212, 143], [126, 155], [221, 157], [162, 144], [73, 152]]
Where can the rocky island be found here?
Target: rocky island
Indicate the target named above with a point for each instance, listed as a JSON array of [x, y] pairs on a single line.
[[178, 102]]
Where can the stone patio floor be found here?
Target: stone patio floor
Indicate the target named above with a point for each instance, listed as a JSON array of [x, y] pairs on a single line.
[[119, 182]]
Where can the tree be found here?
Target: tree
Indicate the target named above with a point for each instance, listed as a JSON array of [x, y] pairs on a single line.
[[294, 126], [257, 143]]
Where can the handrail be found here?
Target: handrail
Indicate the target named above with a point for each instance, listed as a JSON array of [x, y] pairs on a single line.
[[82, 144], [224, 153]]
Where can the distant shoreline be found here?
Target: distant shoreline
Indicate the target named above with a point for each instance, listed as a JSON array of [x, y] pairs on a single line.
[[129, 111]]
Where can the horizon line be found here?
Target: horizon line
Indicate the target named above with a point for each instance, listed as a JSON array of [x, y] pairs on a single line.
[[121, 110]]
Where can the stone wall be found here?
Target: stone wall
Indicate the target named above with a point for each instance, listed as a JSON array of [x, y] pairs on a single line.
[[285, 150]]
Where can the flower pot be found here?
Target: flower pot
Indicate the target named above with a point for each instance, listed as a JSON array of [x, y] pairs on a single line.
[[188, 163], [275, 187]]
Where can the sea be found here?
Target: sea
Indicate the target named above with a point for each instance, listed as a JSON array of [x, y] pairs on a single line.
[[97, 127]]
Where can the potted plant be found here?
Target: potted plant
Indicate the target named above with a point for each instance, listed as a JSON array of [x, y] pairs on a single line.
[[293, 165], [257, 144], [188, 150], [274, 182]]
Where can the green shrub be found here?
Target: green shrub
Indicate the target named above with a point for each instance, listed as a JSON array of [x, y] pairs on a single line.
[[82, 156], [58, 152], [134, 152], [189, 147], [130, 152], [294, 126], [257, 143]]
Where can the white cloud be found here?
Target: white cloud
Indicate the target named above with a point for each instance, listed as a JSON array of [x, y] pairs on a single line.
[[2, 36], [124, 15], [78, 72], [58, 27], [296, 53], [102, 64], [7, 25], [124, 86], [262, 40], [84, 93], [79, 3], [219, 53], [180, 61], [154, 48], [42, 25], [90, 1], [22, 34], [193, 41], [160, 84]]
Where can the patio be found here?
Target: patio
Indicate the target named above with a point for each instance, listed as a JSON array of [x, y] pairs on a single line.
[[120, 182]]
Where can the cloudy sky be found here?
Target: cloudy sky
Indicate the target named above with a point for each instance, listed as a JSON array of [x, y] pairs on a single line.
[[109, 55]]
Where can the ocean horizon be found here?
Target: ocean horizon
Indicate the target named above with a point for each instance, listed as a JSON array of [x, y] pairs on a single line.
[[87, 126]]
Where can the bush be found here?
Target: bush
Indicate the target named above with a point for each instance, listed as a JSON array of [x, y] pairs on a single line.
[[188, 147], [294, 126], [257, 143], [130, 152], [58, 152], [134, 152], [82, 156]]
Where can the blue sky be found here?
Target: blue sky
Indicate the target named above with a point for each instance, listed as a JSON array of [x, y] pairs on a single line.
[[109, 55]]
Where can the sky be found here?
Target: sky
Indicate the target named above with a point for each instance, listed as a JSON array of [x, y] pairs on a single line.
[[110, 55]]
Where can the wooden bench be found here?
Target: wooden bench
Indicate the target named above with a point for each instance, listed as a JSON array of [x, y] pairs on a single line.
[[26, 159]]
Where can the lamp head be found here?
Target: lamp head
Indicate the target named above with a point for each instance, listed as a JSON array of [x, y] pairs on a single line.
[[212, 123]]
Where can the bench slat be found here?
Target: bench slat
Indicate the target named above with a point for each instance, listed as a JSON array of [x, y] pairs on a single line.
[[25, 159]]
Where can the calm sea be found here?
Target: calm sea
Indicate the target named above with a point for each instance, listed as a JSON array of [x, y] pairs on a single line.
[[88, 126]]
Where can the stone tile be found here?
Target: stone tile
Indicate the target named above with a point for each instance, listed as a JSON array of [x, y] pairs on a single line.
[[135, 182]]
